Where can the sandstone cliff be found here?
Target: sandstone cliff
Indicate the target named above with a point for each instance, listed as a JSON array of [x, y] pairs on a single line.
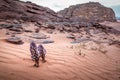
[[92, 11]]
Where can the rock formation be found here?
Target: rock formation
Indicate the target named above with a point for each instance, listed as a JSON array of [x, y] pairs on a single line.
[[92, 11], [26, 11], [71, 19]]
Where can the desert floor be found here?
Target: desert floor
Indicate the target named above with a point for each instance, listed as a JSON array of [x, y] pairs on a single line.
[[65, 61]]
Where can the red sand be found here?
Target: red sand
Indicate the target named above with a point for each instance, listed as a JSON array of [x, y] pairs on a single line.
[[63, 62]]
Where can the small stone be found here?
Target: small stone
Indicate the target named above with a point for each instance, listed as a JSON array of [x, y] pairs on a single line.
[[7, 33], [72, 36]]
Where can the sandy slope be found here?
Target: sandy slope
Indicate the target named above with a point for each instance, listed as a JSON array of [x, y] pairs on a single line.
[[115, 25], [63, 62]]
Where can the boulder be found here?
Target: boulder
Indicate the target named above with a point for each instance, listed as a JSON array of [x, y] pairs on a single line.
[[38, 36], [115, 42], [15, 29], [49, 25], [9, 26], [79, 40], [46, 41], [37, 30], [15, 40], [50, 31], [27, 30], [71, 36]]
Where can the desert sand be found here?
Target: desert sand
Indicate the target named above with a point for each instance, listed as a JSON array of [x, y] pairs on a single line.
[[65, 61]]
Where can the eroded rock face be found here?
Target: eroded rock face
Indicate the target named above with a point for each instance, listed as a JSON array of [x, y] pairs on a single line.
[[26, 11], [92, 11], [71, 19]]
